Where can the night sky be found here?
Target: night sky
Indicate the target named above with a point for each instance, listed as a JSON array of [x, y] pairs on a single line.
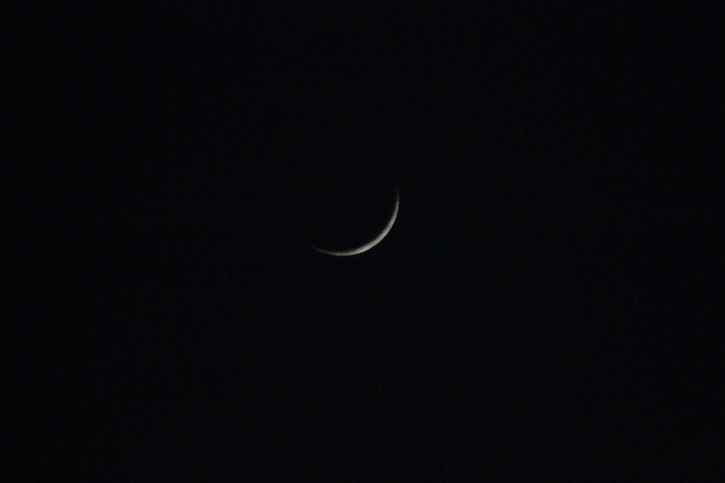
[[547, 306]]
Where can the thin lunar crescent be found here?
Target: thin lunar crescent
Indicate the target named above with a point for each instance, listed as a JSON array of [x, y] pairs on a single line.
[[371, 243]]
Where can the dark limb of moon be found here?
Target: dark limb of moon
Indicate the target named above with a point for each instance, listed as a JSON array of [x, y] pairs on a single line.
[[367, 246]]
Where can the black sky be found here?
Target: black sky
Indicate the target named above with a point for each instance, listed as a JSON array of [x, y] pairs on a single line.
[[547, 305]]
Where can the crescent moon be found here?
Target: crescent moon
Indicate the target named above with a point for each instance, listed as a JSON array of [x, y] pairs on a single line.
[[372, 243]]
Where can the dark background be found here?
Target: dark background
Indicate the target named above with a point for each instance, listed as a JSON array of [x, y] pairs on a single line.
[[547, 305]]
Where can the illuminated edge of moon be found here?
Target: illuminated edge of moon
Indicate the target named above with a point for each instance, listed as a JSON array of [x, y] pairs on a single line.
[[372, 243]]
